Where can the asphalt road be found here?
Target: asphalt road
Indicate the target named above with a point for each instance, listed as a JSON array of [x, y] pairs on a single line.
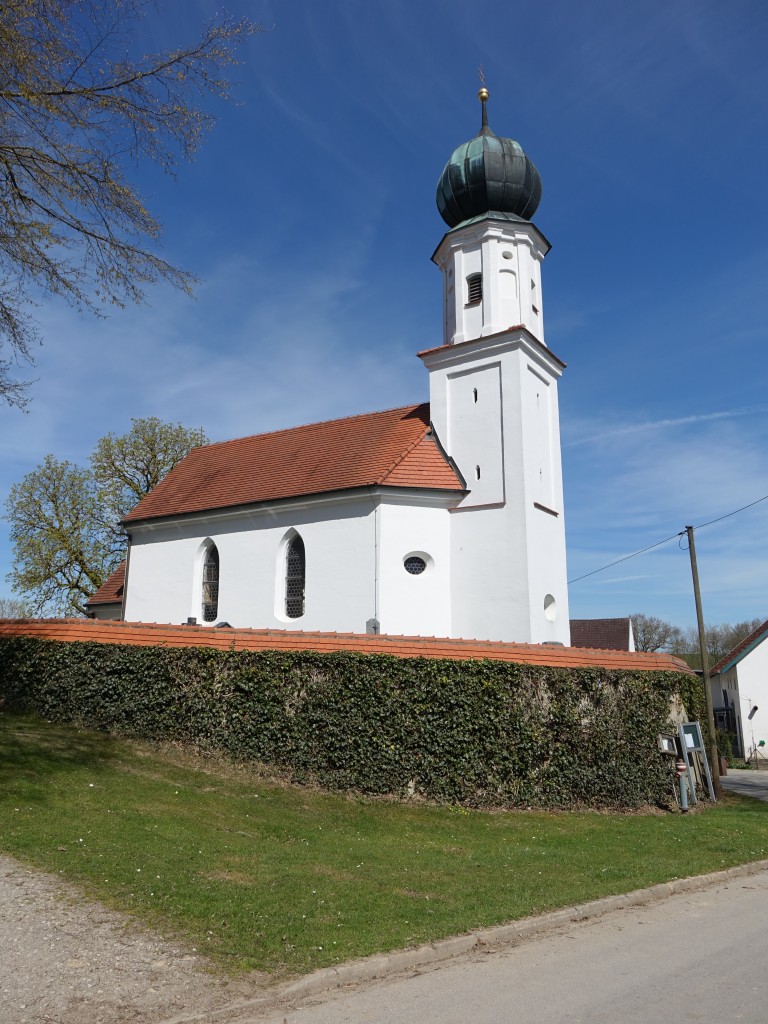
[[748, 783], [693, 957]]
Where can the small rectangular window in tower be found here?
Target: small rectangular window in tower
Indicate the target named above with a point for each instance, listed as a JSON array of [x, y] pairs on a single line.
[[474, 289], [534, 298]]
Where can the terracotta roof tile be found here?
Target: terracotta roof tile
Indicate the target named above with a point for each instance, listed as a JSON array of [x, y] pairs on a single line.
[[158, 635], [423, 466], [390, 448], [606, 634], [111, 591]]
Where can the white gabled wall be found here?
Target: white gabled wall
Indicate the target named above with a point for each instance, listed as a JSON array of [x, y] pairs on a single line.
[[752, 675]]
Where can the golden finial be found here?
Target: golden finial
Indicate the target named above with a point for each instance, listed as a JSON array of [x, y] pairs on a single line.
[[482, 95]]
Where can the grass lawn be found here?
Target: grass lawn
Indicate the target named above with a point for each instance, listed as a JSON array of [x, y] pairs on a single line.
[[264, 876]]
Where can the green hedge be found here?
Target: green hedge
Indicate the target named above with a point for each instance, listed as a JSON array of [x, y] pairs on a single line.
[[478, 733]]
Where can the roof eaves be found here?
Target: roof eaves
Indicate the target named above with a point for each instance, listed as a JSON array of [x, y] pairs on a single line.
[[428, 432], [245, 506], [741, 650], [449, 458], [339, 494], [403, 455]]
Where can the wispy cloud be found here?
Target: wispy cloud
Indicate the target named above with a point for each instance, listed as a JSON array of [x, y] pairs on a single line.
[[612, 432]]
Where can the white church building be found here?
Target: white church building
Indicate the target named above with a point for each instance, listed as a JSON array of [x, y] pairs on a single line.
[[441, 519]]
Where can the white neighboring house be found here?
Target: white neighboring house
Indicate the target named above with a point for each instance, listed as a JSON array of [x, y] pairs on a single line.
[[439, 519], [739, 683]]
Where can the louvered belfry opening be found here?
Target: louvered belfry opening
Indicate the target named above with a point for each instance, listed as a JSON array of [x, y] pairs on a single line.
[[295, 573], [474, 289], [211, 584]]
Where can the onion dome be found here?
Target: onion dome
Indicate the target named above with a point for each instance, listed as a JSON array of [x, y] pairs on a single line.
[[488, 175]]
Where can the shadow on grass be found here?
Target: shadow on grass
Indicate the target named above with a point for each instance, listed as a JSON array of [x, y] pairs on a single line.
[[36, 751]]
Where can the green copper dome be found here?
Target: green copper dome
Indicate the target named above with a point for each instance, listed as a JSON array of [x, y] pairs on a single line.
[[488, 174]]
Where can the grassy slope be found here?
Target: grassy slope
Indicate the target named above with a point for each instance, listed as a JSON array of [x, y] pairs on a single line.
[[283, 879]]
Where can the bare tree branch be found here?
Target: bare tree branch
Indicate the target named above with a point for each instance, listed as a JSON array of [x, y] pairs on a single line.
[[77, 105]]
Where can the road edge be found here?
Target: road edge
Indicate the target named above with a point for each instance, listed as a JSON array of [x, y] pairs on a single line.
[[381, 965]]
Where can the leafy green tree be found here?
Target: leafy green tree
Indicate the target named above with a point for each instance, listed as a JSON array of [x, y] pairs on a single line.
[[65, 519], [79, 107], [128, 467], [61, 549]]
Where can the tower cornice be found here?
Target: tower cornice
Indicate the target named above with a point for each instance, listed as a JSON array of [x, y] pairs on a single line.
[[517, 337], [493, 224]]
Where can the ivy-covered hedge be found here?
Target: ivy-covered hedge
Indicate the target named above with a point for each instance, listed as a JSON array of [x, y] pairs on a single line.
[[478, 733]]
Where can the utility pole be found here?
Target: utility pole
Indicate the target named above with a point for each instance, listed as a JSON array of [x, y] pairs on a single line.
[[714, 763]]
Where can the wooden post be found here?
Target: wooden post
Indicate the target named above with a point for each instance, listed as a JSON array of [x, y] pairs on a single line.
[[714, 762]]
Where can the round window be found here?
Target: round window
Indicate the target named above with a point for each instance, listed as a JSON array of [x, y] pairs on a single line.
[[414, 565]]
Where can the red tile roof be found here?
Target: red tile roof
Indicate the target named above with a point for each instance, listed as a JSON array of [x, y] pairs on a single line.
[[741, 649], [605, 634], [394, 448], [111, 591], [157, 635]]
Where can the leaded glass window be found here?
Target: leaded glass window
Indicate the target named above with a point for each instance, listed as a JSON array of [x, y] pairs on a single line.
[[211, 584], [415, 565], [295, 573]]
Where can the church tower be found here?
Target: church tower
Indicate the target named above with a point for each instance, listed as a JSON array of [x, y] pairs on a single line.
[[493, 398]]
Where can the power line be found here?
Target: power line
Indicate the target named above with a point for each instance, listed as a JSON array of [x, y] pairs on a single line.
[[728, 514], [625, 558], [666, 540]]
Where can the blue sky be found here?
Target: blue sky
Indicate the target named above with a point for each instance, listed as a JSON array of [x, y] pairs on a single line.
[[309, 217]]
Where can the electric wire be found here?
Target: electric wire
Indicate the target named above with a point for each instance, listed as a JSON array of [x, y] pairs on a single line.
[[666, 540], [729, 514], [625, 558]]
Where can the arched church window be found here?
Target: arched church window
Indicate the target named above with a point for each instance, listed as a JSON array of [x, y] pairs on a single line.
[[474, 289], [211, 584], [295, 578]]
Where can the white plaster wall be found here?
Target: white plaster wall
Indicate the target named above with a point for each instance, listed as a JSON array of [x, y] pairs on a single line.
[[509, 256], [474, 431], [408, 604], [545, 526], [164, 574], [508, 563], [489, 578], [343, 543], [547, 578], [753, 687]]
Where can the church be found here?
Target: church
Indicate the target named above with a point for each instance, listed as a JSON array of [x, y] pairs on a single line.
[[440, 519]]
